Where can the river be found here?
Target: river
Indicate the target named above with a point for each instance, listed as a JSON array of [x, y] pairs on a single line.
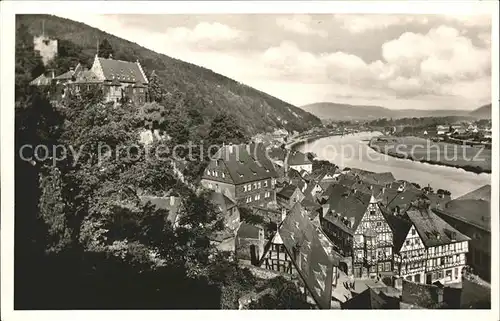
[[353, 151]]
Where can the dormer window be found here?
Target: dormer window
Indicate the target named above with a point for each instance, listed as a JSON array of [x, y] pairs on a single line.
[[241, 175]]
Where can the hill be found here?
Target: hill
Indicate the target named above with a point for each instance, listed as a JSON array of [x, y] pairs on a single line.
[[343, 112], [483, 112], [256, 111]]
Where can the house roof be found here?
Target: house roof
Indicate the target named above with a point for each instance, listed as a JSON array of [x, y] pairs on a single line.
[[86, 77], [41, 80], [400, 228], [287, 191], [482, 193], [248, 231], [315, 265], [368, 299], [475, 212], [373, 177], [123, 71], [432, 229], [309, 204], [296, 157], [245, 163], [67, 75], [222, 201], [403, 199], [347, 204], [172, 204]]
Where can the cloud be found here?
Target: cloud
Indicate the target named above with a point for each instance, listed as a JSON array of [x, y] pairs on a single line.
[[204, 32], [300, 24], [367, 22], [414, 64], [471, 20]]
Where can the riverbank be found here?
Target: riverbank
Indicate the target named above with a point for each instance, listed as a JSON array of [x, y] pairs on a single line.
[[353, 151], [470, 159]]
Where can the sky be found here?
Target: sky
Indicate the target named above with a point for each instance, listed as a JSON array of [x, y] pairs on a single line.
[[394, 61]]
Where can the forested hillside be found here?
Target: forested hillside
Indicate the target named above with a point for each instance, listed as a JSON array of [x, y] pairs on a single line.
[[254, 110], [83, 237]]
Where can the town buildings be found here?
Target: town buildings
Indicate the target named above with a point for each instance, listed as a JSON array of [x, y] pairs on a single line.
[[300, 247], [243, 173], [470, 214], [427, 249], [356, 223], [119, 80]]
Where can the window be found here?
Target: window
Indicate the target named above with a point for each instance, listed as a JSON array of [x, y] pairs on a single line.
[[216, 174], [381, 267], [407, 242], [456, 273], [409, 278], [379, 224], [223, 175], [387, 266], [254, 185], [267, 194], [209, 185], [244, 188], [265, 183], [208, 172], [372, 212], [259, 185], [249, 187], [413, 232]]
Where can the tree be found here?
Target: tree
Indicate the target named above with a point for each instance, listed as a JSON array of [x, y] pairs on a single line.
[[105, 49], [226, 130], [157, 91]]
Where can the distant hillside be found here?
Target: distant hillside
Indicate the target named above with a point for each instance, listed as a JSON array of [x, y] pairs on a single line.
[[343, 112], [255, 110], [483, 112]]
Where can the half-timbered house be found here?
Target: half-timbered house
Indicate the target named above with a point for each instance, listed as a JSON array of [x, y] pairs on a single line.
[[299, 247]]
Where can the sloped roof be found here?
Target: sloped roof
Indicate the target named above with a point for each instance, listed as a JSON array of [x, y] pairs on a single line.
[[403, 199], [368, 299], [41, 80], [248, 231], [86, 77], [400, 228], [172, 204], [123, 71], [432, 229], [471, 211], [296, 157], [300, 236], [225, 203], [287, 191], [482, 193], [67, 75], [245, 163], [349, 204]]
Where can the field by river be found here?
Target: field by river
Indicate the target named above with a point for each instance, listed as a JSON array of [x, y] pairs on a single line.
[[473, 159], [353, 151]]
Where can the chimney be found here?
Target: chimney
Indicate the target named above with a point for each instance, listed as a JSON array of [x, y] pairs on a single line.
[[172, 200]]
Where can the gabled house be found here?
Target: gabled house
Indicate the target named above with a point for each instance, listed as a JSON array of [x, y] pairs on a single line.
[[356, 223], [299, 247], [445, 248], [117, 79], [288, 196], [471, 215], [243, 173]]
